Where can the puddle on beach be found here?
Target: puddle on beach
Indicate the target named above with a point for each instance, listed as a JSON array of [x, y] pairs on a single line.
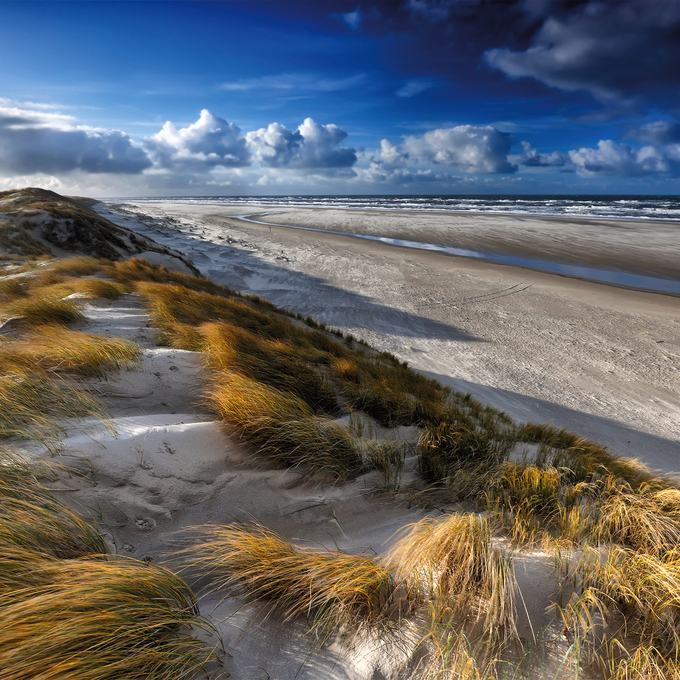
[[637, 281]]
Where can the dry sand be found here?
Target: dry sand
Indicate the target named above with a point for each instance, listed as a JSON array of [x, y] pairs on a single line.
[[599, 360]]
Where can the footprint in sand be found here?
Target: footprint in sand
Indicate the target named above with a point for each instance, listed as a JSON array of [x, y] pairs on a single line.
[[145, 524]]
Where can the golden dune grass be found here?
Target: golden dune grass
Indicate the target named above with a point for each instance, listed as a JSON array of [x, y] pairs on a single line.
[[332, 589], [69, 610], [56, 348]]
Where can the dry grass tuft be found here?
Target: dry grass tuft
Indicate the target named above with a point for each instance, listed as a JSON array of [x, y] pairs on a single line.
[[269, 361], [10, 289], [96, 619], [33, 403], [38, 310], [283, 428], [33, 521], [334, 589], [56, 348], [69, 610], [454, 561]]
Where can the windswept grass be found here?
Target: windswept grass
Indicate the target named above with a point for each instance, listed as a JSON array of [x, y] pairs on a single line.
[[97, 619], [56, 348], [33, 521], [10, 289], [71, 611], [268, 361], [34, 403], [562, 448], [536, 503], [278, 382], [333, 589], [38, 310], [283, 428], [454, 562]]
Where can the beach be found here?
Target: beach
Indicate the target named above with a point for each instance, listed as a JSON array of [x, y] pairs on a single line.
[[601, 360], [166, 466]]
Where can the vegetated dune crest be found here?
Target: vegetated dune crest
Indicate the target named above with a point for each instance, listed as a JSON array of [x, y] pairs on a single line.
[[228, 427]]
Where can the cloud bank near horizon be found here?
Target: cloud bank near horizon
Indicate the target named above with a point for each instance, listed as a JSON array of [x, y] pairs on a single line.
[[39, 143]]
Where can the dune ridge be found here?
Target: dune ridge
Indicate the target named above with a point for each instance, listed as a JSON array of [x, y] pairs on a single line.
[[420, 453]]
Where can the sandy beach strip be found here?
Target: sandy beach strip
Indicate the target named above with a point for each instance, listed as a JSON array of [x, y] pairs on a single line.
[[600, 360]]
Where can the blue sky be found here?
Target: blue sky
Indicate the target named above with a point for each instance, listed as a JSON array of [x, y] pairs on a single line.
[[324, 96]]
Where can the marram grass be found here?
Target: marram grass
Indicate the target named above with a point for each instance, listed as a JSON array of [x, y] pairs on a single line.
[[282, 427], [56, 348], [333, 589], [274, 379], [98, 619], [453, 560], [69, 610], [37, 309], [34, 402]]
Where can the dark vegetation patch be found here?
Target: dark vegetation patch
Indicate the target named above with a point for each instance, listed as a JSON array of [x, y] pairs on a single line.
[[32, 220]]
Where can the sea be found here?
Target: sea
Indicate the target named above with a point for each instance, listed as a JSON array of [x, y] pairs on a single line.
[[619, 207]]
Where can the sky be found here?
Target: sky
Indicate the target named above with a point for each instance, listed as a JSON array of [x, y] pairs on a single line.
[[278, 97]]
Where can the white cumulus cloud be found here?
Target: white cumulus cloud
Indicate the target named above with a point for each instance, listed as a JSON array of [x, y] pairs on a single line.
[[311, 146], [619, 160], [533, 159], [470, 148], [209, 142]]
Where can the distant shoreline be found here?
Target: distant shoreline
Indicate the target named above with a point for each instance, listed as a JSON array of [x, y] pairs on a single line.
[[613, 207], [596, 275]]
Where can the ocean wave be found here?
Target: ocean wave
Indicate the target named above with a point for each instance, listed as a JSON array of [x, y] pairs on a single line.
[[652, 208]]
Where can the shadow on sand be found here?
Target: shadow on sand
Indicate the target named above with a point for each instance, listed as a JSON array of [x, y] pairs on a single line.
[[235, 264], [658, 453]]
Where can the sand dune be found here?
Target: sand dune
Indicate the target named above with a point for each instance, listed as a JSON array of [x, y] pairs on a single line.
[[599, 360]]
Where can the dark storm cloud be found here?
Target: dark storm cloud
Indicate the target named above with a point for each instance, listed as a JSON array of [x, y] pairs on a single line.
[[38, 142], [659, 132], [614, 50]]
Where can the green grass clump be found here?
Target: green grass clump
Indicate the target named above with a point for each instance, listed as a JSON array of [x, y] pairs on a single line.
[[332, 588], [446, 448], [17, 239]]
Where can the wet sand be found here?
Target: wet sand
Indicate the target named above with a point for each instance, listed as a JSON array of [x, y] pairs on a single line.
[[647, 248]]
